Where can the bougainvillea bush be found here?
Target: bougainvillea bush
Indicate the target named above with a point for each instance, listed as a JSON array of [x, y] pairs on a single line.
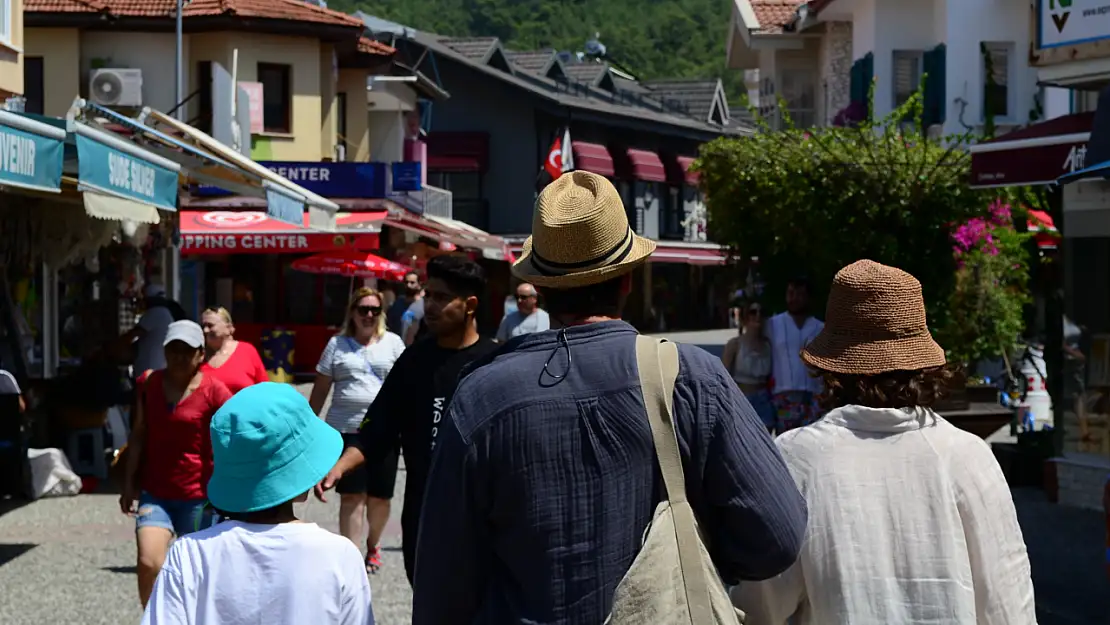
[[985, 309], [812, 201]]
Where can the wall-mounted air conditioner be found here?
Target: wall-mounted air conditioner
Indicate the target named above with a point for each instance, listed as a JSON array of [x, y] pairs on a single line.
[[116, 87]]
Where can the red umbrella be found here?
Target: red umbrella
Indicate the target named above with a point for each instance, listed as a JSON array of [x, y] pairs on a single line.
[[351, 264]]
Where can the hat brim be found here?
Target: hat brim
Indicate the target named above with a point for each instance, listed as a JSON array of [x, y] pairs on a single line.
[[524, 269], [321, 447], [846, 355]]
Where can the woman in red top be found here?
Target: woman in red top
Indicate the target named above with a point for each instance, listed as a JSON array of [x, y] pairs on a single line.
[[169, 458], [232, 362]]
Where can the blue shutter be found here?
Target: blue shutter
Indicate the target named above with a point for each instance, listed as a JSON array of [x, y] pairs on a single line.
[[856, 82], [940, 98], [868, 74]]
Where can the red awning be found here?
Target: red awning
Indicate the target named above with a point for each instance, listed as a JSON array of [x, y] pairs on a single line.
[[449, 231], [454, 163], [684, 163], [1038, 154], [458, 151], [253, 232], [675, 252], [646, 166], [593, 157]]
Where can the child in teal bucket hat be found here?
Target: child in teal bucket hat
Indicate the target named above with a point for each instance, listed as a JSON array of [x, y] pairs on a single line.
[[263, 565]]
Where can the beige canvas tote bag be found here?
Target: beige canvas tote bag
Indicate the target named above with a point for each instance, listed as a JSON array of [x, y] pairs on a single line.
[[672, 581]]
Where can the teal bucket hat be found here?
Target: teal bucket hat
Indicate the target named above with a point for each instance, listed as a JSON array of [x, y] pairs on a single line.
[[268, 447]]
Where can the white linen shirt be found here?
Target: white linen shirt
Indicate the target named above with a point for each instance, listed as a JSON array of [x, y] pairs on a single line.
[[787, 339], [910, 522]]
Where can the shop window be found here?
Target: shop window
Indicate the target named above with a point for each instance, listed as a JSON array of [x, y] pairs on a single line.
[[1086, 376], [33, 87], [277, 97], [463, 185], [907, 75], [301, 302], [671, 215], [798, 88], [996, 91]]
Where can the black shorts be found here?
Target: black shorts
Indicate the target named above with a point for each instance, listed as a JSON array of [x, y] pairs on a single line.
[[376, 477]]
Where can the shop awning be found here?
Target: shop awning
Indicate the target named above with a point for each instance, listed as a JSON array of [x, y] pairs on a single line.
[[593, 157], [458, 151], [646, 166], [255, 232], [684, 163], [449, 231], [34, 153], [1039, 154]]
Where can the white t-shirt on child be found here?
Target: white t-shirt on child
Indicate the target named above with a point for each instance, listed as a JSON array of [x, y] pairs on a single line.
[[240, 573]]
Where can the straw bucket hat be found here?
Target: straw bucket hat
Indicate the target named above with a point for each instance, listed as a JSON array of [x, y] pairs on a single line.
[[874, 323], [580, 235]]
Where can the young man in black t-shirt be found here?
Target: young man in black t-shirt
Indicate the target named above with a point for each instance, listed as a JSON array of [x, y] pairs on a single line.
[[414, 398]]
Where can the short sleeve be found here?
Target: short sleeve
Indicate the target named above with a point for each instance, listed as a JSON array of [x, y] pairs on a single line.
[[323, 367], [398, 346], [169, 601], [8, 384], [259, 370]]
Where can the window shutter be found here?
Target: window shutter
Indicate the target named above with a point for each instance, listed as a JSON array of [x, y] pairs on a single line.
[[868, 73], [905, 74], [853, 89], [935, 61]]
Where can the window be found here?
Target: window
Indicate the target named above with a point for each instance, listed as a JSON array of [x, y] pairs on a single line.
[[798, 88], [996, 79], [203, 122], [671, 215], [907, 75], [33, 87], [462, 185], [276, 97], [6, 20]]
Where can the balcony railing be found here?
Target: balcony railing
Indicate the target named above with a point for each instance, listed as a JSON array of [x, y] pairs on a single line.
[[437, 202]]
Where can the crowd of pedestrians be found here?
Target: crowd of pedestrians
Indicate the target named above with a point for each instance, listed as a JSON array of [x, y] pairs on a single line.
[[570, 471]]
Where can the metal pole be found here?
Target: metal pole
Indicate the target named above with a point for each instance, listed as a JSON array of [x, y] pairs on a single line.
[[174, 251]]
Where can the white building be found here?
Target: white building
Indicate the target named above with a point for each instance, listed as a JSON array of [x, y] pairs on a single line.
[[820, 57]]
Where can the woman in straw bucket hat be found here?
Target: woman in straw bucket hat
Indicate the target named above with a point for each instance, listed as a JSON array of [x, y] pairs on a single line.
[[263, 565], [549, 437], [911, 520]]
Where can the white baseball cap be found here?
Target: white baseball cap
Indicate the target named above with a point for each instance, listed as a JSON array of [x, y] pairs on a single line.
[[187, 332]]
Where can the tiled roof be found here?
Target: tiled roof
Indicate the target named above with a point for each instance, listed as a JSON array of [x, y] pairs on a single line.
[[694, 94], [283, 10], [588, 73], [532, 61], [475, 48], [367, 45], [774, 14]]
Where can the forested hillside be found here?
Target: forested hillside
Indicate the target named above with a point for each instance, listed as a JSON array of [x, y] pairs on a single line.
[[650, 38]]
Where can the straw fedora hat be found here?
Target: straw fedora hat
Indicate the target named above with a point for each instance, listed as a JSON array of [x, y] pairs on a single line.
[[874, 323], [580, 235]]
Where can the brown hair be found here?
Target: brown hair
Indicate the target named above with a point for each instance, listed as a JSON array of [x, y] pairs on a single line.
[[893, 389], [349, 321]]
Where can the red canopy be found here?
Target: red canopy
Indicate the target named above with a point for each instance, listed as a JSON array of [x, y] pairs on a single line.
[[253, 232], [1041, 223], [351, 264]]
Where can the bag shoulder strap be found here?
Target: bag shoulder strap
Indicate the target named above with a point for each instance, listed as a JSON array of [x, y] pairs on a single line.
[[658, 365]]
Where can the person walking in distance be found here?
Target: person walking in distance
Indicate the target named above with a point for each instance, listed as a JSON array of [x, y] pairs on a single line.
[[401, 303], [232, 362], [795, 391], [169, 452], [748, 358], [263, 564], [356, 364], [410, 406], [546, 475], [911, 519], [528, 316]]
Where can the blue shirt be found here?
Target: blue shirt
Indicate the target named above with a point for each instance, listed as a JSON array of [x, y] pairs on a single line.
[[541, 488]]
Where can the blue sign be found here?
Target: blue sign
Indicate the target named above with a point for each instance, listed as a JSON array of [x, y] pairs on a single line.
[[406, 176], [341, 180], [284, 207], [29, 159], [116, 172]]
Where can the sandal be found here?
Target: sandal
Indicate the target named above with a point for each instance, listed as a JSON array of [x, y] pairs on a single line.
[[373, 560]]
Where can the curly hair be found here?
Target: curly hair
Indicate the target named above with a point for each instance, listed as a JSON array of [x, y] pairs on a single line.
[[893, 389]]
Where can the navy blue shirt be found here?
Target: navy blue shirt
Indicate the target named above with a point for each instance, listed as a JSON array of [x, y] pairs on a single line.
[[541, 488]]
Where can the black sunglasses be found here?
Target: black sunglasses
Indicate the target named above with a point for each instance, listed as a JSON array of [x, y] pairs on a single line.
[[368, 310], [520, 297]]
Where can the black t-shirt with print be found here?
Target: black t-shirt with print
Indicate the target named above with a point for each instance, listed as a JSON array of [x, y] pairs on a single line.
[[407, 411]]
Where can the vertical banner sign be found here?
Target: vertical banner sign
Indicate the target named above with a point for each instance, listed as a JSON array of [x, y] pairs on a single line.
[[30, 160], [115, 172], [283, 206], [406, 176], [254, 94]]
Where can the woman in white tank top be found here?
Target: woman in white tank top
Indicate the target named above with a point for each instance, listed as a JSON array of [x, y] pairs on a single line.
[[748, 358]]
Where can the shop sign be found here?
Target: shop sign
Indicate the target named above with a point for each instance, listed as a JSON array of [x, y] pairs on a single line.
[[30, 160], [407, 176], [107, 169], [330, 180], [1072, 22], [1027, 166]]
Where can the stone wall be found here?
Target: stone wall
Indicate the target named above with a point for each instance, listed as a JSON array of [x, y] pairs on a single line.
[[836, 68]]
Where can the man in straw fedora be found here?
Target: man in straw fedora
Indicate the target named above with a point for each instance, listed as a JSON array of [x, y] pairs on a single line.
[[545, 476], [911, 520]]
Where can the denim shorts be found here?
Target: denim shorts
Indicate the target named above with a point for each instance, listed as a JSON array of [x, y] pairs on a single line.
[[179, 517]]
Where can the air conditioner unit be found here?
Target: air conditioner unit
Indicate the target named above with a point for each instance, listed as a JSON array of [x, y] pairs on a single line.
[[116, 87]]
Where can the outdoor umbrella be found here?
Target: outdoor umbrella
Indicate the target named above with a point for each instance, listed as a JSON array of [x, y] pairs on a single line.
[[351, 264]]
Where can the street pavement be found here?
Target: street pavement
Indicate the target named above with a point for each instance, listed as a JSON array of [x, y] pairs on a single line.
[[70, 561]]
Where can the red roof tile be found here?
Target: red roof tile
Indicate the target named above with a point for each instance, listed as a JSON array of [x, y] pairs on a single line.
[[774, 14], [286, 10], [367, 45]]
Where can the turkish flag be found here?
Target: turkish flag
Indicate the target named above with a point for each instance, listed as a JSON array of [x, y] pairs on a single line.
[[554, 163]]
